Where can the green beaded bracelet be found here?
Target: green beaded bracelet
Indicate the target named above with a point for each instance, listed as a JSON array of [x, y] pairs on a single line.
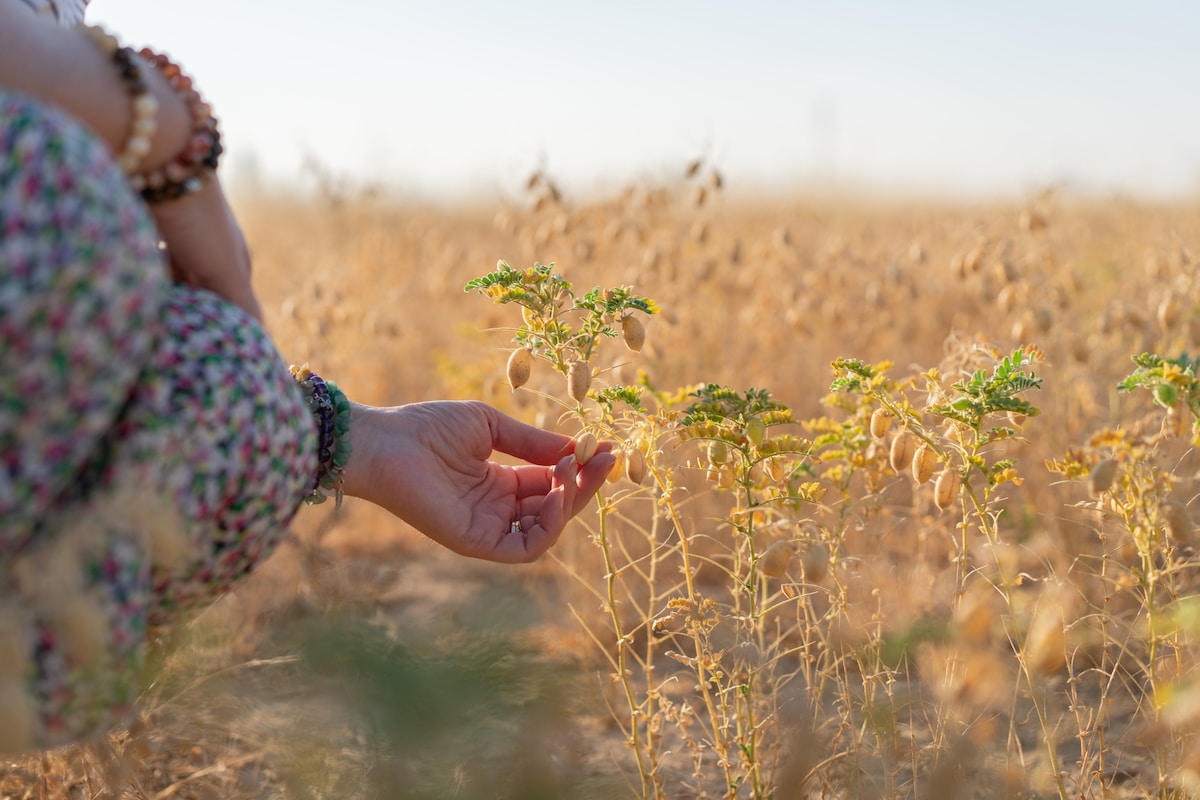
[[331, 413]]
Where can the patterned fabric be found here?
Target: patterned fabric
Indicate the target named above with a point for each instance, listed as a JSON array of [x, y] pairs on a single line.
[[152, 444]]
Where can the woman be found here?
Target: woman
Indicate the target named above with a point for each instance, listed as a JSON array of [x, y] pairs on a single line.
[[152, 444]]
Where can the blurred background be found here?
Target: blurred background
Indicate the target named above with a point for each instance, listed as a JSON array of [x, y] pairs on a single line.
[[448, 100], [929, 184]]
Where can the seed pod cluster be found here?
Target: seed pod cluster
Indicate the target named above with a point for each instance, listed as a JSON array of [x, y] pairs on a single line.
[[520, 366], [579, 380]]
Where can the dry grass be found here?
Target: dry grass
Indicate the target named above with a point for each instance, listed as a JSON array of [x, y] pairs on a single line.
[[904, 652]]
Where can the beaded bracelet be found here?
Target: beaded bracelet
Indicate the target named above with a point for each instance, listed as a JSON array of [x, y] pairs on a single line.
[[187, 172], [143, 104], [331, 412]]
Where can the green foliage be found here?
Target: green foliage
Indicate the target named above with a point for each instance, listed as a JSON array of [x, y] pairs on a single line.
[[983, 394], [1168, 379], [557, 324], [610, 396], [475, 716], [721, 404]]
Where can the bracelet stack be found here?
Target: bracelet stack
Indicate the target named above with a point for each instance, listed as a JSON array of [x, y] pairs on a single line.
[[198, 160], [188, 170], [331, 413]]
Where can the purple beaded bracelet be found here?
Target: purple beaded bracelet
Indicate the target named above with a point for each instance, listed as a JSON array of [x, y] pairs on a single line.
[[331, 413]]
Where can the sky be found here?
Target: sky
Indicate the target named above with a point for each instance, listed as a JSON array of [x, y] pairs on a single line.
[[447, 99]]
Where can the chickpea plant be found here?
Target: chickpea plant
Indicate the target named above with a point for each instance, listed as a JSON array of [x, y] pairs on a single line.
[[548, 306], [959, 435], [656, 606], [1146, 537]]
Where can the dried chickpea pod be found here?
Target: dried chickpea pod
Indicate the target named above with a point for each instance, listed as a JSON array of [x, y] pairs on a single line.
[[924, 462], [974, 618], [635, 466], [1179, 522], [618, 467], [881, 421], [775, 559], [1046, 643], [1101, 477], [633, 332], [775, 469], [579, 380], [816, 562], [901, 454], [585, 447], [945, 491], [726, 477], [951, 433], [520, 366], [1168, 312], [1006, 299], [756, 431]]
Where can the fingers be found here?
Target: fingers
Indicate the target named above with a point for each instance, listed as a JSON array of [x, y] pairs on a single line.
[[565, 476], [591, 477], [580, 483], [546, 502], [526, 442]]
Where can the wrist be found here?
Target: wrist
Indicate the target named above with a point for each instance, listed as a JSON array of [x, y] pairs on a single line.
[[363, 435], [158, 119]]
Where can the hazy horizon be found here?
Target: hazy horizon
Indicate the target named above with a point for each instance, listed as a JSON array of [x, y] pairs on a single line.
[[469, 98]]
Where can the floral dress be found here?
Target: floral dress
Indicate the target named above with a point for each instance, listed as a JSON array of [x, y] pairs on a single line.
[[152, 444]]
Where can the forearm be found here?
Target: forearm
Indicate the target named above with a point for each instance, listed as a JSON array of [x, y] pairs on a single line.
[[66, 69]]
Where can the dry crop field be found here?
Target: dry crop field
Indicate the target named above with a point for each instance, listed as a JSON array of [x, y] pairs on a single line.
[[898, 513]]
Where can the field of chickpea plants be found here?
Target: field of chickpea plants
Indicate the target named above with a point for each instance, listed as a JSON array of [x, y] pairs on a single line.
[[903, 509]]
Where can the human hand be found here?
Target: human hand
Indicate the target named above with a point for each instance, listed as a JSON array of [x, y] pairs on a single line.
[[428, 463], [206, 246]]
